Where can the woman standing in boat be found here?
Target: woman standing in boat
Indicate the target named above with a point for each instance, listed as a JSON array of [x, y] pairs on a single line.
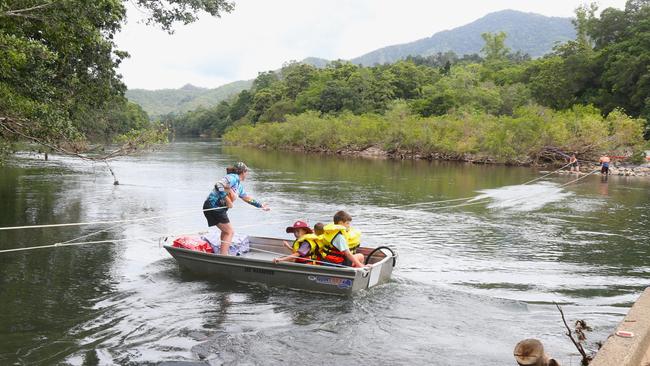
[[222, 197]]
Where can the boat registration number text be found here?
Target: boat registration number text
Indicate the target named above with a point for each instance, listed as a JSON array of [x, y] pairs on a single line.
[[260, 270]]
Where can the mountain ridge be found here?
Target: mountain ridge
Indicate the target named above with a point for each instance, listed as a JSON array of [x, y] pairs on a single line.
[[466, 39]]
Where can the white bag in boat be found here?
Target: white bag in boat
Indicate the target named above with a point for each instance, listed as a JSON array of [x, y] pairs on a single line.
[[240, 243]]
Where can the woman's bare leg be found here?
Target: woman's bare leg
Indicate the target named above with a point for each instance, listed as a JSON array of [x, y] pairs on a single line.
[[227, 233]]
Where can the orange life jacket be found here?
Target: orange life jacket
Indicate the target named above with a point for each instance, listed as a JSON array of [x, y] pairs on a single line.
[[328, 251]]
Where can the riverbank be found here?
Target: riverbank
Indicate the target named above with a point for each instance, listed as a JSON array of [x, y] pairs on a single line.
[[626, 170], [532, 136], [375, 152], [629, 345]]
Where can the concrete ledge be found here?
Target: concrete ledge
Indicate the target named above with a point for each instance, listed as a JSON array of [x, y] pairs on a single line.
[[634, 351]]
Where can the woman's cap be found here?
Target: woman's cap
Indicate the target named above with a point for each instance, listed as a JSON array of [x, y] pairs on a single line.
[[240, 167], [299, 225]]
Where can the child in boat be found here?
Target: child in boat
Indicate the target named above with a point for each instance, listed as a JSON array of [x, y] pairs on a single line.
[[304, 248], [318, 228], [318, 231], [339, 242]]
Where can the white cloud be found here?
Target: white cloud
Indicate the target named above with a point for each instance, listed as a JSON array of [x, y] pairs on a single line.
[[262, 35]]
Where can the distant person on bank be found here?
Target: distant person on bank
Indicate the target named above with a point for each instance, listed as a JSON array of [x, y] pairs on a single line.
[[222, 198], [604, 164], [573, 163]]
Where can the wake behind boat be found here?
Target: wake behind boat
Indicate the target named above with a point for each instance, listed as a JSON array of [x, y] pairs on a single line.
[[257, 266]]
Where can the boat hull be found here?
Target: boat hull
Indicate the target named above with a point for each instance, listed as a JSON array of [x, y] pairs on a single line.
[[259, 268]]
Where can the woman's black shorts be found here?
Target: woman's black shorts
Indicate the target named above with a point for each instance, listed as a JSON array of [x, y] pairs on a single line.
[[215, 217]]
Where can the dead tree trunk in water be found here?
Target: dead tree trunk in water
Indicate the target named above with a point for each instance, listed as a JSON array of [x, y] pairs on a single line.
[[530, 352]]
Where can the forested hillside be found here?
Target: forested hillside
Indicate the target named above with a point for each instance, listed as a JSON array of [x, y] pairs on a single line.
[[160, 102], [531, 34], [590, 95], [189, 98]]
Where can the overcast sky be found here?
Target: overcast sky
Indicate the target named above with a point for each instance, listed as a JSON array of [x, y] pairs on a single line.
[[261, 35]]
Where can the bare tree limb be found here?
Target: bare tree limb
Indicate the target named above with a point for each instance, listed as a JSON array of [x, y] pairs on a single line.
[[18, 12], [585, 359], [122, 150]]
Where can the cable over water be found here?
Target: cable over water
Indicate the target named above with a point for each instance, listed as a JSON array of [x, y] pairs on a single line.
[[469, 198], [467, 201], [106, 222]]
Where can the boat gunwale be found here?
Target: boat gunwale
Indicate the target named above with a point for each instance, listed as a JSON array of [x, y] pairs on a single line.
[[267, 265], [289, 267]]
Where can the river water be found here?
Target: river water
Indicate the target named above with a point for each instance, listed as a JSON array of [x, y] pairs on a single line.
[[470, 282]]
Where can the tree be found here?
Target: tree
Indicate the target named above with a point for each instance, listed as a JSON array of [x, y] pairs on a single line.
[[495, 47], [548, 83], [582, 22], [262, 101], [166, 13], [240, 106], [497, 55], [58, 65], [406, 79], [297, 77], [624, 56], [264, 80], [336, 96]]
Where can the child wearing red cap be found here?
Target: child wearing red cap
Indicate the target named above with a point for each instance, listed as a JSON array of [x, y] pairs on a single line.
[[304, 248]]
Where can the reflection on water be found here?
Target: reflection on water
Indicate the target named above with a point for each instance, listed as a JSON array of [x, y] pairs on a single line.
[[473, 277]]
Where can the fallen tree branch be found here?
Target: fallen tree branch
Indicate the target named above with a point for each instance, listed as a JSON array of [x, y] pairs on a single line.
[[585, 359], [122, 150], [14, 126]]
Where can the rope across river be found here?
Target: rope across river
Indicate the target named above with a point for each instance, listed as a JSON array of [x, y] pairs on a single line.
[[464, 201]]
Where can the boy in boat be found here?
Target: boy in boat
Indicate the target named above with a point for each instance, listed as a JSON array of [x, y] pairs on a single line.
[[318, 228], [339, 242], [304, 248]]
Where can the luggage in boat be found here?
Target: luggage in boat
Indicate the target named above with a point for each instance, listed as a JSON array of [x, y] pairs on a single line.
[[193, 242], [240, 244]]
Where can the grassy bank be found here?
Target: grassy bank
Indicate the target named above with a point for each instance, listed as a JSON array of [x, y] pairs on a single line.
[[530, 135]]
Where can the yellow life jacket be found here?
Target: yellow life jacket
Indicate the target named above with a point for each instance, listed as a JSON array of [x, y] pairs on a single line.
[[352, 237], [325, 246], [312, 239]]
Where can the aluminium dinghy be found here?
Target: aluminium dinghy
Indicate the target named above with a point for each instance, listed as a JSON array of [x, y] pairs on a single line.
[[257, 266]]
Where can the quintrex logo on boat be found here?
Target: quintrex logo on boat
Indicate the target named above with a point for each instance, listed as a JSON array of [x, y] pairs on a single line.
[[334, 281]]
